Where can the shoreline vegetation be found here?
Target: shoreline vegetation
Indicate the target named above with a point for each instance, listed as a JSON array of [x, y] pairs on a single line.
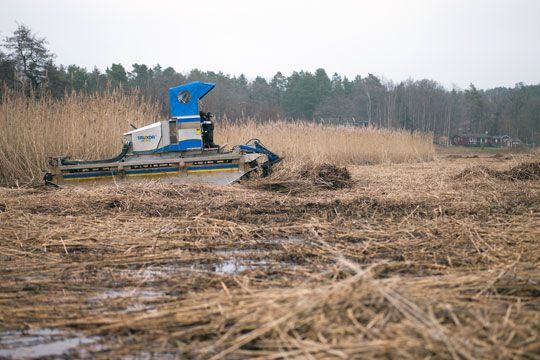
[[91, 127]]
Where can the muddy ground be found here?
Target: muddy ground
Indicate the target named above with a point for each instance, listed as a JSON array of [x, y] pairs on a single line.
[[427, 260]]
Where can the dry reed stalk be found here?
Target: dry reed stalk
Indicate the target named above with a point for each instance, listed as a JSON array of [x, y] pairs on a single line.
[[91, 127], [338, 145], [409, 261], [82, 126], [296, 176]]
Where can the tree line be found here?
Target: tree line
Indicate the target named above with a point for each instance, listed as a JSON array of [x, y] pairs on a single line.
[[415, 105]]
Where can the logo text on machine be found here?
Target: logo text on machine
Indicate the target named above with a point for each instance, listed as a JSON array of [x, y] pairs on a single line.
[[146, 138]]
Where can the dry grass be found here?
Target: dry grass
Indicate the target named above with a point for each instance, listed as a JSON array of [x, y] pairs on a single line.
[[296, 177], [84, 127], [340, 145], [91, 127], [408, 261]]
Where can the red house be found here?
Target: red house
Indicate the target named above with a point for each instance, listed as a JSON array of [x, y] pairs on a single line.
[[484, 140]]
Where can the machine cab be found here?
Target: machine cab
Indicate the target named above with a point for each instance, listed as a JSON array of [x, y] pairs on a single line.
[[182, 132]]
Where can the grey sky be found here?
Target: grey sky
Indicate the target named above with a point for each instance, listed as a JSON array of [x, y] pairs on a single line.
[[455, 42]]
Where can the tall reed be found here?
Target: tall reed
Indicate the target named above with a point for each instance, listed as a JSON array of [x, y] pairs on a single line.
[[82, 126], [340, 145], [91, 127]]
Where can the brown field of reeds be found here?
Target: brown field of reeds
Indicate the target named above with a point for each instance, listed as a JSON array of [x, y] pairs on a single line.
[[431, 259], [81, 126], [340, 145], [91, 127]]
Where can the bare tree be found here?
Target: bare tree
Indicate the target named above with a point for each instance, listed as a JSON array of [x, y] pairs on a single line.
[[29, 54]]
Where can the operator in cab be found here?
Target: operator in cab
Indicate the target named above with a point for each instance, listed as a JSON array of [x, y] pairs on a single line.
[[207, 130]]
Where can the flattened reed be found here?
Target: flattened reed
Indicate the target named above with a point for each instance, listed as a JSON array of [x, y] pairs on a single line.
[[524, 171], [407, 262], [298, 176]]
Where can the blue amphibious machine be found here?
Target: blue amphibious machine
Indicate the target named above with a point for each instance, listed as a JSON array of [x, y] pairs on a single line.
[[180, 149]]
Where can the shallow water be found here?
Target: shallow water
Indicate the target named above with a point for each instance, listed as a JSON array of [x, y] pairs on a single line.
[[40, 342], [138, 294], [234, 261], [230, 267], [48, 342]]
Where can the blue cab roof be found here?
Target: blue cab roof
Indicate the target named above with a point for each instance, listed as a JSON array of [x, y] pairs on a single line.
[[184, 99]]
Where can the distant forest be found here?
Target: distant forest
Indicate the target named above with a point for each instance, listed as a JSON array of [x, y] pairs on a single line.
[[415, 105]]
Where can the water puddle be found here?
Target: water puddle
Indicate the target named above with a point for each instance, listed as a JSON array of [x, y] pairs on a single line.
[[152, 273], [40, 343], [228, 262], [136, 300], [230, 267], [289, 239], [135, 294], [234, 265]]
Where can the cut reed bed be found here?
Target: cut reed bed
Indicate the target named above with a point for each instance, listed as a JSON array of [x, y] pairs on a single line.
[[91, 127], [419, 260]]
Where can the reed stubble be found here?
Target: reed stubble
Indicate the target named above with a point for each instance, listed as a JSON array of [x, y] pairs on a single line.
[[407, 261]]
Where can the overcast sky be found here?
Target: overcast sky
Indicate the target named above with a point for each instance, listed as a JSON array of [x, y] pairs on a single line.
[[457, 42]]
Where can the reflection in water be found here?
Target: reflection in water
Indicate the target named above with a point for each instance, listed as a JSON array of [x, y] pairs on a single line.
[[39, 343]]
